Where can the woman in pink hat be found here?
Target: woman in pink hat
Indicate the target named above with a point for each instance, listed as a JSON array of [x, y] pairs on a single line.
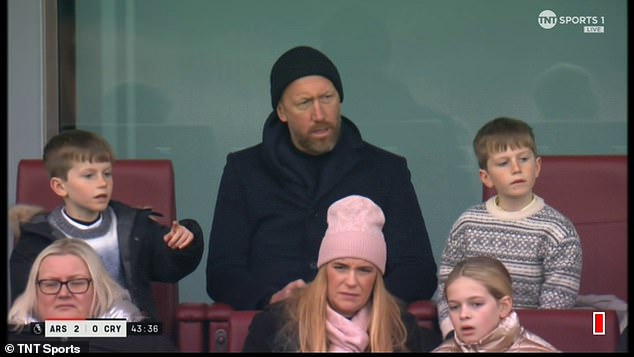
[[347, 307]]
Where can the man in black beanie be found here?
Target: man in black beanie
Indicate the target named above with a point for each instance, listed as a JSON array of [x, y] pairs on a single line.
[[307, 64], [270, 216]]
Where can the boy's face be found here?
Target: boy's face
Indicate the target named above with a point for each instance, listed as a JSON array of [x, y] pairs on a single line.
[[87, 189], [512, 173]]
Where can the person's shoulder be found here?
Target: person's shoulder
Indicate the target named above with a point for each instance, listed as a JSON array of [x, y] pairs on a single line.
[[277, 308], [117, 206], [557, 221], [383, 153], [476, 209], [382, 157], [555, 213], [141, 216], [471, 216], [245, 152], [119, 209], [36, 227], [273, 314]]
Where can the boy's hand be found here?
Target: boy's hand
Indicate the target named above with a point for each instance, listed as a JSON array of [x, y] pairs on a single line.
[[178, 237]]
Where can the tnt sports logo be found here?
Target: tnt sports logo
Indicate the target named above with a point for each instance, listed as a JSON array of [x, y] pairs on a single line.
[[547, 19]]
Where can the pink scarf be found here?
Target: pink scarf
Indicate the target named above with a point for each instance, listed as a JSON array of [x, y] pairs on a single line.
[[347, 335]]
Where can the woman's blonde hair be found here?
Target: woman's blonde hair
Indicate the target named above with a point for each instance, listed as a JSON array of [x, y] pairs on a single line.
[[305, 329], [107, 292]]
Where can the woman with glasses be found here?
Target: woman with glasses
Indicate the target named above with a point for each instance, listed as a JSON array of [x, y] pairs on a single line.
[[69, 281]]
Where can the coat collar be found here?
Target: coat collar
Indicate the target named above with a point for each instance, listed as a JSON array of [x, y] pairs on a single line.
[[287, 165], [498, 340]]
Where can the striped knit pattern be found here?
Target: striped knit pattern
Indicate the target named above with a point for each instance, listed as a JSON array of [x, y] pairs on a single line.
[[539, 247]]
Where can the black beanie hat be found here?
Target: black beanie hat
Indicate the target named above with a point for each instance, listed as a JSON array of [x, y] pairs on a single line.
[[299, 62]]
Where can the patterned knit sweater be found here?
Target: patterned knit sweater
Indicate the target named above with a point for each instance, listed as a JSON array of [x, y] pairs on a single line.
[[538, 245]]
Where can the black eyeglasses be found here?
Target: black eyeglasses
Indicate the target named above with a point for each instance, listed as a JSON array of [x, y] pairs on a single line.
[[52, 286]]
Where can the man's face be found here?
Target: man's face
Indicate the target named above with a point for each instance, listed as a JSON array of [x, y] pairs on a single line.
[[310, 107]]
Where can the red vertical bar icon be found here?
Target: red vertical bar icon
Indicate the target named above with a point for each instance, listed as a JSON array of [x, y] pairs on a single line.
[[598, 323]]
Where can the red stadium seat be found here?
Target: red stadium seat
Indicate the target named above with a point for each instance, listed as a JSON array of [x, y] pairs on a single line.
[[228, 328], [571, 330], [426, 314], [191, 324]]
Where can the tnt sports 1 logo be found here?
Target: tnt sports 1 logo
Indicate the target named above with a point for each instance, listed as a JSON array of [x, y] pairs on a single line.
[[547, 19]]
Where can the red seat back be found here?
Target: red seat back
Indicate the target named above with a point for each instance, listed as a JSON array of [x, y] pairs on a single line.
[[426, 314], [592, 192], [571, 330], [138, 183], [192, 324], [228, 328]]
